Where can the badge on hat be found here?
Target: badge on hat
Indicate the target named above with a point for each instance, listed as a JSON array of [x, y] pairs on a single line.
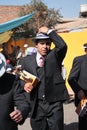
[[2, 64]]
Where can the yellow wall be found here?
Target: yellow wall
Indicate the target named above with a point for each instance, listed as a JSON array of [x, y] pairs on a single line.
[[75, 41]]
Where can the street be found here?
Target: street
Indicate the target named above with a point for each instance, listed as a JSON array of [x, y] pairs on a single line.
[[70, 119]]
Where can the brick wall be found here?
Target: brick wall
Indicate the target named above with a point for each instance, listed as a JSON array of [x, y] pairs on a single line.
[[8, 13]]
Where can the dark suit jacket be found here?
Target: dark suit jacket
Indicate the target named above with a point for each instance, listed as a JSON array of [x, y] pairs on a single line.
[[55, 89], [78, 76], [10, 96]]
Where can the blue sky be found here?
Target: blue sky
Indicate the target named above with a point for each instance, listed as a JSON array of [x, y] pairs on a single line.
[[68, 8]]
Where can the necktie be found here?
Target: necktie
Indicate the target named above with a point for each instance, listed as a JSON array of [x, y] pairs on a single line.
[[41, 61]]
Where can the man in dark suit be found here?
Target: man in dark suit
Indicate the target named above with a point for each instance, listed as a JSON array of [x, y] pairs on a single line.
[[48, 95], [14, 107], [78, 82]]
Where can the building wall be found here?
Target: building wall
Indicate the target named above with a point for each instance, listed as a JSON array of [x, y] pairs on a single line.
[[8, 13]]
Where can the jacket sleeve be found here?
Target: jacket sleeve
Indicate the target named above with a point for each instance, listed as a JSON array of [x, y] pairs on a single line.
[[60, 45], [20, 100], [74, 76]]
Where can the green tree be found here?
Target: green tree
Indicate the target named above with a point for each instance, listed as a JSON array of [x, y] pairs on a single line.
[[42, 17]]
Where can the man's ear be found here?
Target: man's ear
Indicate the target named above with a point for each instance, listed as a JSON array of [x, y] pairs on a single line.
[[36, 45]]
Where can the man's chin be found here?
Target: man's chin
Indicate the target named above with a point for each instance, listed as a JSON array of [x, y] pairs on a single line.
[[44, 54]]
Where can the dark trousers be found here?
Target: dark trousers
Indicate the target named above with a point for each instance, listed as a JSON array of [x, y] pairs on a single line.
[[82, 125], [48, 116]]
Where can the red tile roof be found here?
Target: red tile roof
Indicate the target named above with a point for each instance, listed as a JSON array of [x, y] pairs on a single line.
[[8, 13]]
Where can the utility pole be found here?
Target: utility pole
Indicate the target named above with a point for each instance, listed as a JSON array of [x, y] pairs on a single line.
[[38, 13], [38, 20]]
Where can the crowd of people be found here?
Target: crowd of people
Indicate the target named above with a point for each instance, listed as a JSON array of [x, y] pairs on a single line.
[[44, 101]]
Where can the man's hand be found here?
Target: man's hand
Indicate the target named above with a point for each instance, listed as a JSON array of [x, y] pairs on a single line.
[[43, 29], [28, 87], [16, 116]]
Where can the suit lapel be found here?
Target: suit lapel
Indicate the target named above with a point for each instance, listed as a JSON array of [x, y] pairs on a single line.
[[33, 64]]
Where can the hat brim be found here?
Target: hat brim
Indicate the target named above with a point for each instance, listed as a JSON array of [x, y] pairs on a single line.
[[40, 36], [35, 40]]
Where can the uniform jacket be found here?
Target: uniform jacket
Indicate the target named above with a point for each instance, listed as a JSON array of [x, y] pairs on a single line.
[[55, 89], [10, 96], [78, 75]]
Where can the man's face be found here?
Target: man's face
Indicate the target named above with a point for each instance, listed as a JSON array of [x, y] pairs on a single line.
[[43, 46]]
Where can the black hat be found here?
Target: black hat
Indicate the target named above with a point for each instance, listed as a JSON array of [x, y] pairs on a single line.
[[85, 45], [40, 36]]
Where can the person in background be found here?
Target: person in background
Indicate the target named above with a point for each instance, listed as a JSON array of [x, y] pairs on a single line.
[[19, 54], [16, 70], [78, 82], [30, 50], [48, 95], [9, 66], [14, 107]]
